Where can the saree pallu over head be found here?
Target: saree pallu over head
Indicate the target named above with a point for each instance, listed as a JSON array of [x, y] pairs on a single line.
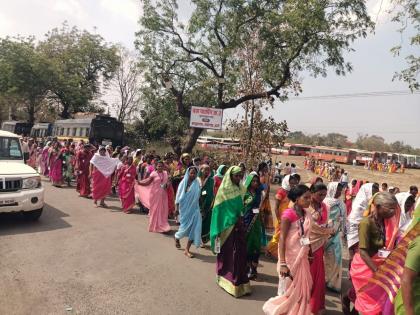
[[228, 206], [383, 286]]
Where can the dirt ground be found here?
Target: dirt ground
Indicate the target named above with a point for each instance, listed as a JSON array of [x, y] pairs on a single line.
[[402, 181]]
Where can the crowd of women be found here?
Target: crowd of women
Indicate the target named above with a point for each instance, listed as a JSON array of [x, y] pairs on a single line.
[[230, 208]]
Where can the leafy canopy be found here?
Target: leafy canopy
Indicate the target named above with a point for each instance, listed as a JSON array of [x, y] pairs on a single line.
[[198, 61]]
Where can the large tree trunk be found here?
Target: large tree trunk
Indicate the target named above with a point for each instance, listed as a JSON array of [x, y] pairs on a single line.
[[31, 112], [65, 112], [192, 139]]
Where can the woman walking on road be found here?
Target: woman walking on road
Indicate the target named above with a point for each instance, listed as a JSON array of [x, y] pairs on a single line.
[[101, 170], [82, 165], [152, 194], [187, 204], [227, 234], [334, 248], [56, 165], [253, 224], [127, 179], [295, 281], [205, 178]]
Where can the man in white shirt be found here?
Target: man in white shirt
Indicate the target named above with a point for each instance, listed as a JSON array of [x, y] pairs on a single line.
[[25, 149], [344, 180]]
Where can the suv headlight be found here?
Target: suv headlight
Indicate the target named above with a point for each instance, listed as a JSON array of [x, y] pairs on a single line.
[[31, 182]]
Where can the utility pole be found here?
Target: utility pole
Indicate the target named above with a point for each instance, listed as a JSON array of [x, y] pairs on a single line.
[[251, 126]]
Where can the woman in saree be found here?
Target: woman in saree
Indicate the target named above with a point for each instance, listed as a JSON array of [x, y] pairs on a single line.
[[319, 235], [295, 281], [56, 165], [227, 235], [183, 164], [253, 224], [351, 193], [266, 215], [69, 164], [333, 249], [218, 178], [82, 165], [152, 194], [360, 204], [188, 205], [102, 166], [168, 166], [281, 204], [33, 154], [205, 179], [406, 201], [378, 232], [44, 159], [127, 179]]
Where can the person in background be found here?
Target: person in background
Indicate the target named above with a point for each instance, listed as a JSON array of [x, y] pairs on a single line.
[[281, 204], [205, 179], [197, 162], [243, 168], [188, 205], [102, 166], [69, 161], [218, 178], [333, 249], [406, 201], [351, 193], [344, 180], [384, 187], [293, 168], [83, 158], [126, 182], [170, 168], [25, 149], [287, 169], [293, 266], [414, 191], [320, 234], [56, 165], [253, 224], [228, 235]]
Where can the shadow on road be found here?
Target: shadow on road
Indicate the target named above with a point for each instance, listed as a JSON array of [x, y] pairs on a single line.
[[16, 223]]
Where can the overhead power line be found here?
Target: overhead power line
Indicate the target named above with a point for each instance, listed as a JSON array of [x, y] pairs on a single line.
[[355, 95]]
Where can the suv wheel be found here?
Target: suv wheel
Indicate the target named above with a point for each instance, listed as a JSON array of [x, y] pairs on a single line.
[[33, 215]]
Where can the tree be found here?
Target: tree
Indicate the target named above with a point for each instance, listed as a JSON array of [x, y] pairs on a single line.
[[406, 13], [371, 143], [126, 83], [25, 74], [198, 63], [82, 62]]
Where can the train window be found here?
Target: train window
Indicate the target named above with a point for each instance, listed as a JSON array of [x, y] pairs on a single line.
[[87, 132], [74, 132]]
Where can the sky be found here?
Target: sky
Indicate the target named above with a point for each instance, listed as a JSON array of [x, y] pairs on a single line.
[[392, 117]]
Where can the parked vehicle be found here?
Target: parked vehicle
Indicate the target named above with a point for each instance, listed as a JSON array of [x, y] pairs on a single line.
[[20, 185], [18, 127]]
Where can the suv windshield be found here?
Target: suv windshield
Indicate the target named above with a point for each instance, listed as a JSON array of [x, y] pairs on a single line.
[[10, 149]]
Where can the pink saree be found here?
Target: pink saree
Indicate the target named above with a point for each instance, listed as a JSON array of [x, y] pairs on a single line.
[[101, 185], [155, 198], [296, 299], [126, 187], [56, 169], [44, 161]]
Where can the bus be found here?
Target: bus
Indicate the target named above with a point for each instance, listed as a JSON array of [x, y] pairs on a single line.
[[344, 156], [41, 130], [207, 142], [18, 127], [100, 130]]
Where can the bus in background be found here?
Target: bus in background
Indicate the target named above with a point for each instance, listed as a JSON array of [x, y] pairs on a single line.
[[17, 127], [294, 149], [100, 130], [41, 130], [344, 156]]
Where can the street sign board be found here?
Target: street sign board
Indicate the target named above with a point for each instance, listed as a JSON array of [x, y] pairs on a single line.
[[206, 118]]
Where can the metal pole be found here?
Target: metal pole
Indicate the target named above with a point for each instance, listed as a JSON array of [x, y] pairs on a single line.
[[251, 126]]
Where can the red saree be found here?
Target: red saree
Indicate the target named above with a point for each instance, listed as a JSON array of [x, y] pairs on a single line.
[[101, 185], [126, 187]]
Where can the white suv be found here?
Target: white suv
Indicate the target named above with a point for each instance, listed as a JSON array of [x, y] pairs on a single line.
[[20, 185]]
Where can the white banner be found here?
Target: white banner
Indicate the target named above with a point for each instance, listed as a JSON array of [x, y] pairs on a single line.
[[206, 118]]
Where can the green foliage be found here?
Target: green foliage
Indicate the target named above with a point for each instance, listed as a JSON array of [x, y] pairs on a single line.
[[407, 13], [25, 74], [201, 62], [81, 60]]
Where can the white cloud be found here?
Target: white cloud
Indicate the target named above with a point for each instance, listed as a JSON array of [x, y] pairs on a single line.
[[69, 8], [129, 9]]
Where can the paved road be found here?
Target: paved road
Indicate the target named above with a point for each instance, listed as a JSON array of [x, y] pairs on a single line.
[[83, 260]]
